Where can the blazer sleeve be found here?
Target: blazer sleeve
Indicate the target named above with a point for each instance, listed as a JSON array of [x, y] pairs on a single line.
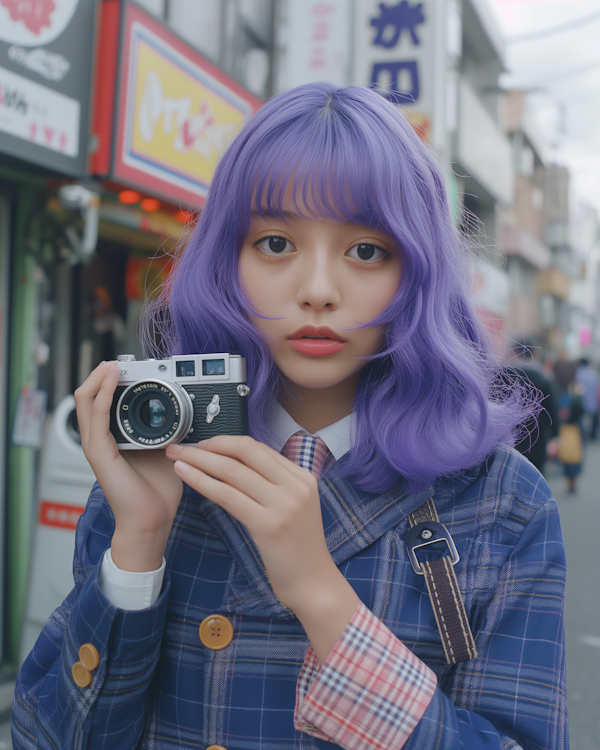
[[511, 697], [50, 710]]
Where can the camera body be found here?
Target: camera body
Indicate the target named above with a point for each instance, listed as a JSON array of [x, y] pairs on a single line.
[[182, 399]]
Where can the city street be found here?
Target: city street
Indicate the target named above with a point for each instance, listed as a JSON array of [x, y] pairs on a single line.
[[580, 514]]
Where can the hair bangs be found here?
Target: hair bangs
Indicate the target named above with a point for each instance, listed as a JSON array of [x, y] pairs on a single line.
[[315, 168]]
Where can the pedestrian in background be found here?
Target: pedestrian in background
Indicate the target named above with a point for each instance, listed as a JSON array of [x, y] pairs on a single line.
[[587, 377], [570, 438], [536, 432], [564, 372]]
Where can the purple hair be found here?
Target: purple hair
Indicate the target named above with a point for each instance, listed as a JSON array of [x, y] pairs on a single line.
[[430, 403]]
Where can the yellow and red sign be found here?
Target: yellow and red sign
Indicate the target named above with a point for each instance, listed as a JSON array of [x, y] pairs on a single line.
[[177, 112]]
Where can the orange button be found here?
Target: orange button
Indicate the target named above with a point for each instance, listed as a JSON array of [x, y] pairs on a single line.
[[216, 747], [89, 656], [81, 675], [216, 632]]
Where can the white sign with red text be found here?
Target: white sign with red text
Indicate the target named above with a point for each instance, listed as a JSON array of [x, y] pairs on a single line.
[[315, 42], [38, 114]]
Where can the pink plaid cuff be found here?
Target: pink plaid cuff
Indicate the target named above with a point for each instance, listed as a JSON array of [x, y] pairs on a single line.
[[370, 693]]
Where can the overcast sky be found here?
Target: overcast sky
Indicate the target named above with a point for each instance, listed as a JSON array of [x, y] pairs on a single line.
[[563, 69]]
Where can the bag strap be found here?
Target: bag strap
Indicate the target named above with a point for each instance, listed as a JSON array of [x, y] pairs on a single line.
[[442, 585]]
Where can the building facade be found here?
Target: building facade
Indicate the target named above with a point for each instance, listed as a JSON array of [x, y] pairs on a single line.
[[96, 187]]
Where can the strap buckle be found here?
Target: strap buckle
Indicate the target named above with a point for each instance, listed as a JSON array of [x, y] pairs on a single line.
[[424, 534]]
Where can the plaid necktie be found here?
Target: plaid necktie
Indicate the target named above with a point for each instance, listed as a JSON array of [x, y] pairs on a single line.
[[307, 451]]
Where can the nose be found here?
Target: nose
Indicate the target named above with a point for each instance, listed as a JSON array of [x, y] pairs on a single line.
[[318, 283]]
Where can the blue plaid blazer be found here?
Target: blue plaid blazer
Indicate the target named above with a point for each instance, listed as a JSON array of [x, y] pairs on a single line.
[[157, 686]]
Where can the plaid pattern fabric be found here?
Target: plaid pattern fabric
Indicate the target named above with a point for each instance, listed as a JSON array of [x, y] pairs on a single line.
[[371, 692], [307, 451], [158, 688]]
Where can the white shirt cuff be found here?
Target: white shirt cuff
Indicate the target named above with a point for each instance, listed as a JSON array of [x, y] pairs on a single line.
[[129, 590]]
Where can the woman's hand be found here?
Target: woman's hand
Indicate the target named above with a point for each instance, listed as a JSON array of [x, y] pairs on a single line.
[[278, 502], [141, 486]]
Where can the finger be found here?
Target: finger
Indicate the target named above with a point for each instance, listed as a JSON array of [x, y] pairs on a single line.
[[99, 429], [84, 398], [254, 454], [230, 471], [237, 503]]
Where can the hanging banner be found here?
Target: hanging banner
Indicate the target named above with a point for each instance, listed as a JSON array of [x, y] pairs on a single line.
[[398, 54], [176, 112], [46, 49]]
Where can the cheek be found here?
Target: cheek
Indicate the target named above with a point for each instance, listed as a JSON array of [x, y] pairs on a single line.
[[267, 295], [250, 280], [372, 299]]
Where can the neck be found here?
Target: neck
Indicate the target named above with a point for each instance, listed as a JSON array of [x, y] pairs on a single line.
[[316, 408]]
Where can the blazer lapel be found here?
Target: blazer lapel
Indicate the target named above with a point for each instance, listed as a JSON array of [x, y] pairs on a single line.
[[353, 519]]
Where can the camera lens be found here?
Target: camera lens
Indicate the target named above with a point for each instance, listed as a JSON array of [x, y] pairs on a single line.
[[154, 413]]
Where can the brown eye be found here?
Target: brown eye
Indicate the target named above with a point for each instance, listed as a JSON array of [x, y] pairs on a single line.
[[367, 253], [274, 246], [277, 244]]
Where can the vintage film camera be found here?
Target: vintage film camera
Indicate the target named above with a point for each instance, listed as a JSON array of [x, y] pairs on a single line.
[[183, 399]]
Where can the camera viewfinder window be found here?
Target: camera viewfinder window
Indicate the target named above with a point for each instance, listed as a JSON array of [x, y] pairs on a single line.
[[213, 367], [186, 368]]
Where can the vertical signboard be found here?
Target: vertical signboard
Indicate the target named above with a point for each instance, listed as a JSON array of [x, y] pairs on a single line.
[[176, 112], [46, 50], [398, 52], [315, 41]]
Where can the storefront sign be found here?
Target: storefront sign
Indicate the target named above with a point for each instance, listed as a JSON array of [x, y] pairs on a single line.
[[396, 54], [46, 49], [176, 112], [39, 115]]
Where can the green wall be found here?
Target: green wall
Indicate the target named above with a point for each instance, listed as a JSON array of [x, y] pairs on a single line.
[[22, 462]]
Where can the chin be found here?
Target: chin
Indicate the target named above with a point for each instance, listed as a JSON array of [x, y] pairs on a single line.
[[313, 381]]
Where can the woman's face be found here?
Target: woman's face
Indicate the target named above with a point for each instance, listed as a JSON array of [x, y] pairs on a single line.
[[319, 278]]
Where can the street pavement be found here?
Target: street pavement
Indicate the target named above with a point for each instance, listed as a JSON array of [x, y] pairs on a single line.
[[580, 515]]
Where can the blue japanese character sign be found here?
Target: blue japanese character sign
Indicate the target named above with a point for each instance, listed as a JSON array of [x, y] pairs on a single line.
[[390, 24], [394, 51], [396, 19]]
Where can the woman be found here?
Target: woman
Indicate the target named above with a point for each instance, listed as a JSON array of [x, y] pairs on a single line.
[[326, 256]]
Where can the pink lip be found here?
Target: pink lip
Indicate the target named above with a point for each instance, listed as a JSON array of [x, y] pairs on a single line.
[[317, 331], [320, 347]]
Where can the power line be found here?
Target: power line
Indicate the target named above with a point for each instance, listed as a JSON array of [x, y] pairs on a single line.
[[553, 29]]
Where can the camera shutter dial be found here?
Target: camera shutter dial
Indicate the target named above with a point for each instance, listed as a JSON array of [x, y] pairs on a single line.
[[213, 409]]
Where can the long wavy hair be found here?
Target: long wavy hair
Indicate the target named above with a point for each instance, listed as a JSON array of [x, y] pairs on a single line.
[[430, 403]]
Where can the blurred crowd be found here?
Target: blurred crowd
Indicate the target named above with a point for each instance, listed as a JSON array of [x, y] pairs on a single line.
[[570, 399]]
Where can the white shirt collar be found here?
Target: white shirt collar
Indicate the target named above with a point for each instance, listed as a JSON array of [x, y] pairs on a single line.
[[339, 437]]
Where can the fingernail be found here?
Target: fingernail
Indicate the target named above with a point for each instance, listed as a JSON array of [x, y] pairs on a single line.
[[181, 468], [174, 449], [201, 444]]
